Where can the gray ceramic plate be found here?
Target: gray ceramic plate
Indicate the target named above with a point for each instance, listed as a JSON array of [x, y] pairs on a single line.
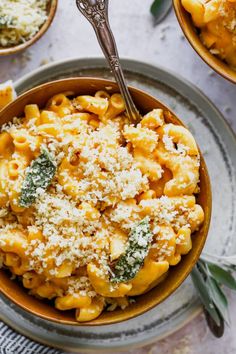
[[218, 144]]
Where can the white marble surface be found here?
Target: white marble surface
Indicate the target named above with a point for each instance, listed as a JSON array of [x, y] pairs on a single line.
[[164, 45]]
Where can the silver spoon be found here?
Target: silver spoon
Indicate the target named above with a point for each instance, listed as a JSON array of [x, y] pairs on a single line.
[[96, 12]]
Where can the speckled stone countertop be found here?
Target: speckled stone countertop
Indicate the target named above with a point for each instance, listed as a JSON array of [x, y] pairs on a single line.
[[71, 36]]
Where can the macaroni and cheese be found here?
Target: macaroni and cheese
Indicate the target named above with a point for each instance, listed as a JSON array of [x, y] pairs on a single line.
[[93, 210], [7, 93], [216, 20]]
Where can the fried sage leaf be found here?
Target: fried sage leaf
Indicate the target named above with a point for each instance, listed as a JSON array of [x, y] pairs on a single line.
[[132, 260], [38, 178]]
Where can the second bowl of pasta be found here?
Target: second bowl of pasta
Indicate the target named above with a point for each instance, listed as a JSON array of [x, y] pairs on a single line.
[[209, 26], [100, 220]]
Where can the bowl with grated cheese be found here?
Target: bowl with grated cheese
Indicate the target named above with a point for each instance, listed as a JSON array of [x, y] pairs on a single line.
[[210, 27], [23, 22], [100, 220]]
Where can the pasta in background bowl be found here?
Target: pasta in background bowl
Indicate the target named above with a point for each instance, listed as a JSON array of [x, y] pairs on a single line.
[[22, 23], [209, 26], [97, 214]]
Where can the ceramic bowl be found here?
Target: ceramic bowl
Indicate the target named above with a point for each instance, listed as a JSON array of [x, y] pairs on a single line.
[[51, 9], [191, 34], [145, 102]]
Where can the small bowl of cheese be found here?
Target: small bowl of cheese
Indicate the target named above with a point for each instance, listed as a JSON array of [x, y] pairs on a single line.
[[210, 27], [23, 22]]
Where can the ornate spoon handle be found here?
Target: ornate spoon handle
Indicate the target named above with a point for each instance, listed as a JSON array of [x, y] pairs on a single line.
[[96, 12]]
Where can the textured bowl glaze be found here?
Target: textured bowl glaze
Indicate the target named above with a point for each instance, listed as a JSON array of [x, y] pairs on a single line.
[[51, 10], [145, 102], [191, 34]]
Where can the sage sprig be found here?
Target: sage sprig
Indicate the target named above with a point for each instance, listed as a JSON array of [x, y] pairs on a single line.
[[160, 9], [209, 277], [38, 177]]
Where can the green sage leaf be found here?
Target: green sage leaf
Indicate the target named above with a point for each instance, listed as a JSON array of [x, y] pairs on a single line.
[[218, 331], [219, 298], [203, 292], [222, 276], [160, 9]]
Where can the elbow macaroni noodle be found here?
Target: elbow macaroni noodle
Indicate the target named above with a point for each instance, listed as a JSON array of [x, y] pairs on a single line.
[[216, 20], [110, 176]]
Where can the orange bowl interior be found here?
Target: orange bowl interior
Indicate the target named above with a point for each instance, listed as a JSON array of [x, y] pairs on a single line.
[[191, 34], [15, 291]]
